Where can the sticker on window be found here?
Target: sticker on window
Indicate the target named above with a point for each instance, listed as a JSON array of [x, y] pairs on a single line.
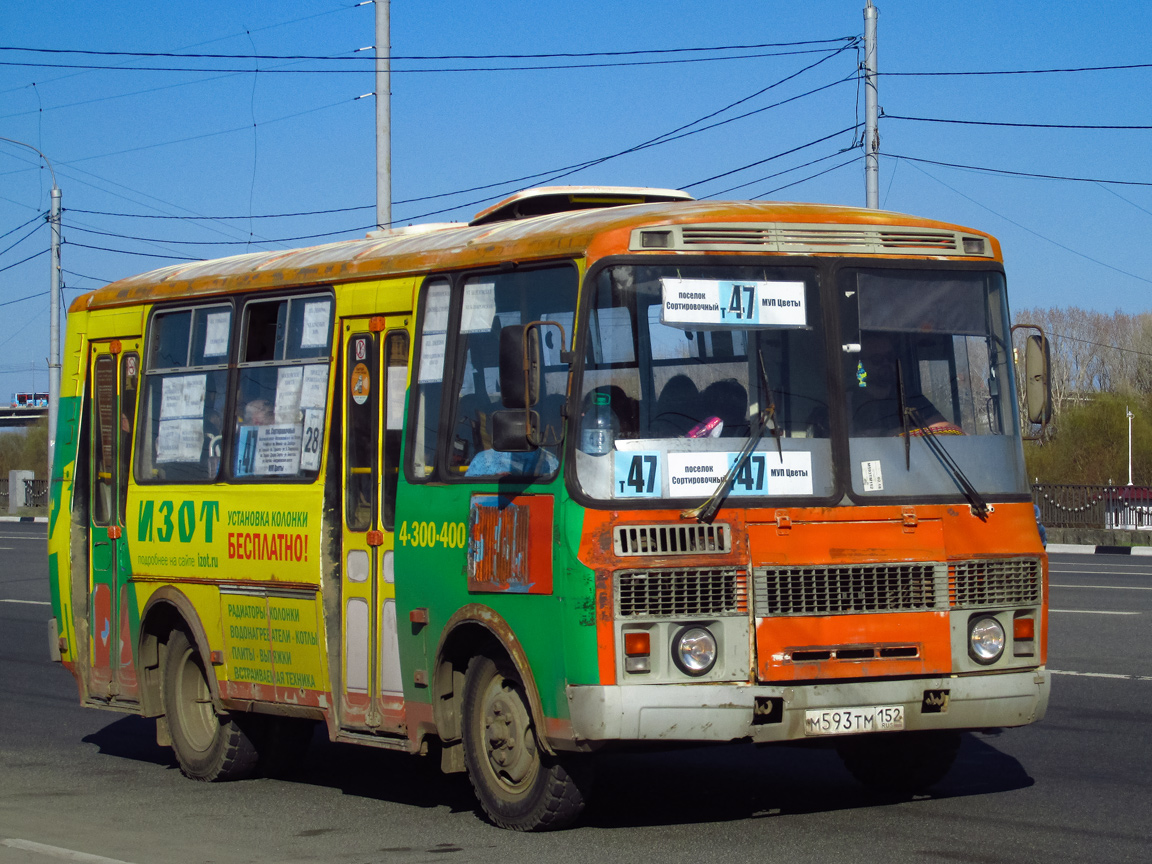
[[872, 477], [268, 450], [697, 475], [361, 384], [312, 436], [690, 303]]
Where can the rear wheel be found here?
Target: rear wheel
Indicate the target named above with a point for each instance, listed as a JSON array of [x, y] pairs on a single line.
[[209, 746], [902, 763], [518, 786]]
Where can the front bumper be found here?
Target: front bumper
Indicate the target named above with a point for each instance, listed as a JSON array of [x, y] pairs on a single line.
[[725, 712]]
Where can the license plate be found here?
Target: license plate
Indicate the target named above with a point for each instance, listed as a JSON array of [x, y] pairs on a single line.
[[849, 721]]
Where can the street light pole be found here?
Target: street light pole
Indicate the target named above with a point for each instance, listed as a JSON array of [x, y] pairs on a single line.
[[1129, 413], [54, 309], [871, 111]]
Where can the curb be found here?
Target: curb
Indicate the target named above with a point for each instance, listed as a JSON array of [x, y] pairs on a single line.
[[1083, 549], [23, 518]]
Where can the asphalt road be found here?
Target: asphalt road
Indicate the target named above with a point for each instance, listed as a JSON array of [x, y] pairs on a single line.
[[1076, 787]]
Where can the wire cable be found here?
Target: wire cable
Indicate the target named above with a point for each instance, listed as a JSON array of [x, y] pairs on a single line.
[[1019, 173], [21, 240], [851, 128], [29, 258], [1017, 71], [218, 242], [1014, 125], [809, 177], [42, 214], [126, 252]]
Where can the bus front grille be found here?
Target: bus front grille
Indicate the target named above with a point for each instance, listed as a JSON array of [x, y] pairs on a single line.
[[631, 540], [995, 582], [846, 589], [681, 593]]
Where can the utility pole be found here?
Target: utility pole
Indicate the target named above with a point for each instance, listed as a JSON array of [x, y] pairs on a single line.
[[383, 117], [871, 132], [54, 310]]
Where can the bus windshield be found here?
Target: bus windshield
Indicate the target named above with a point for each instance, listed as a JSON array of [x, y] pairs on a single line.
[[676, 378], [931, 358], [683, 363]]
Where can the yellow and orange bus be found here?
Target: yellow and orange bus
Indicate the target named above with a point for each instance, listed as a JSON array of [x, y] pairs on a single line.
[[602, 467]]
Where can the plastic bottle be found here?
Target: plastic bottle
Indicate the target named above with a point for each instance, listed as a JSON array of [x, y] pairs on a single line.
[[598, 433]]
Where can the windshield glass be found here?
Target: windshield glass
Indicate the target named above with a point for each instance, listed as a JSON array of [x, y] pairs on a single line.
[[679, 363], [926, 353]]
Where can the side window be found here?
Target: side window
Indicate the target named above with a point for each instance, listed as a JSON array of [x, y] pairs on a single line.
[[180, 415], [129, 383], [104, 431], [282, 388], [396, 383], [430, 377]]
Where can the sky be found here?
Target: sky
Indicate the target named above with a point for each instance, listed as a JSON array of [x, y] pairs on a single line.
[[159, 166]]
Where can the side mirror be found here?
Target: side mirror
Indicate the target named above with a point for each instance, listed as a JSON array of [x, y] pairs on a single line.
[[1037, 376], [1038, 379], [512, 431], [519, 366]]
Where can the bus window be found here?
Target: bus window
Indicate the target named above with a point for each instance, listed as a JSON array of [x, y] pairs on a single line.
[[282, 387], [361, 405], [129, 382], [490, 302], [396, 358], [104, 430], [181, 410], [430, 377]]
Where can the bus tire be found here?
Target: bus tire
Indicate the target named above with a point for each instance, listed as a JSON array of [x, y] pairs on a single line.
[[901, 763], [209, 746], [518, 786]]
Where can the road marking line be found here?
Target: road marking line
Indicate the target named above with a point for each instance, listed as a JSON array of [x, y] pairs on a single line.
[[60, 852], [1092, 612], [1102, 675], [1106, 587], [29, 602]]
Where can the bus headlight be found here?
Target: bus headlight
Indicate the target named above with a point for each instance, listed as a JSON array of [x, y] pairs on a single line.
[[985, 639], [694, 650]]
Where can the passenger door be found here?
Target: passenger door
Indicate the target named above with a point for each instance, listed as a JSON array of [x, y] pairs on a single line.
[[115, 369], [374, 380]]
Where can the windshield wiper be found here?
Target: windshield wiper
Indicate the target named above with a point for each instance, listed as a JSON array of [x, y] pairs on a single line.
[[765, 418], [907, 412]]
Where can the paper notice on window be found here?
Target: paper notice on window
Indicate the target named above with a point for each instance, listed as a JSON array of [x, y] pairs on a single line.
[[436, 309], [873, 479], [216, 334], [316, 319], [695, 475], [479, 307], [397, 385], [277, 450], [313, 434], [432, 347], [288, 382], [314, 387], [613, 331], [182, 396], [180, 440], [492, 382], [550, 338], [690, 303]]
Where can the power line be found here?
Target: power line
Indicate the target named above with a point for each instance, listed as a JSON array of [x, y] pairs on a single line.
[[29, 258], [632, 53], [1016, 125], [1026, 228], [22, 239], [29, 297], [126, 252], [39, 215], [809, 177], [1017, 71], [1019, 173], [773, 176], [394, 71], [851, 128], [218, 242]]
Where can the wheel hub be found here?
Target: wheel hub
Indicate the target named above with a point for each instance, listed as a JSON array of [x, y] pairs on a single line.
[[508, 736]]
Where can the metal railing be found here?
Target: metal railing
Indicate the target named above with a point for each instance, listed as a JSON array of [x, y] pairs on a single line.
[[1074, 506], [35, 491]]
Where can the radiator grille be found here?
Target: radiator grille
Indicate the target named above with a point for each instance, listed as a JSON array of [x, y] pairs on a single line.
[[813, 237], [681, 593], [995, 582], [672, 539], [845, 589]]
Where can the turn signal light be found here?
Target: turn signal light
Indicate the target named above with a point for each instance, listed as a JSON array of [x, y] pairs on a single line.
[[637, 644], [1024, 629]]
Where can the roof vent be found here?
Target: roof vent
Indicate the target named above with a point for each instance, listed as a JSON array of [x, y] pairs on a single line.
[[546, 200]]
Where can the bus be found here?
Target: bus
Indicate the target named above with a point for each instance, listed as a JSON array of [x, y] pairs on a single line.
[[29, 400], [603, 468]]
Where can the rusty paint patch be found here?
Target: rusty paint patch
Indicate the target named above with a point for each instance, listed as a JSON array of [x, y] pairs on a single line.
[[510, 544]]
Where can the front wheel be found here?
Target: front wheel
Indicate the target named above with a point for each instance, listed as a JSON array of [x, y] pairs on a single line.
[[900, 763], [209, 746], [518, 786]]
